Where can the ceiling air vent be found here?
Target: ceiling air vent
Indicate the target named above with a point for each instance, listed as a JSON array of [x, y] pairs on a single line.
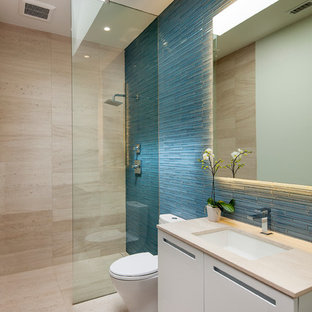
[[36, 9], [301, 7]]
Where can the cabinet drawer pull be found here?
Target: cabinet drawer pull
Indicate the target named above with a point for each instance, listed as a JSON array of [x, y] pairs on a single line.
[[244, 285], [179, 248]]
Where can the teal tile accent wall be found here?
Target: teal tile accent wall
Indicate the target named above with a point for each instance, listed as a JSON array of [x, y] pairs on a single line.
[[183, 123], [142, 128], [185, 113], [185, 128]]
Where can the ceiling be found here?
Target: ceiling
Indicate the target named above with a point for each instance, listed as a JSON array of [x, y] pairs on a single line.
[[60, 22], [125, 24], [259, 26], [150, 6]]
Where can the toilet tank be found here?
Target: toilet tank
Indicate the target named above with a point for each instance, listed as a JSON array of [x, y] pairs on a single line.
[[169, 218]]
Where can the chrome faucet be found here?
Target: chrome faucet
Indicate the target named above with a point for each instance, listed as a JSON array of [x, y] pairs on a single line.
[[264, 215]]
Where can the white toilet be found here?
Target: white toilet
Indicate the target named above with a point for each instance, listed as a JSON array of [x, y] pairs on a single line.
[[135, 277]]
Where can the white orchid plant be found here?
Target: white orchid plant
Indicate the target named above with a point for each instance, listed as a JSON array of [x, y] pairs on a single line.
[[208, 162], [235, 163]]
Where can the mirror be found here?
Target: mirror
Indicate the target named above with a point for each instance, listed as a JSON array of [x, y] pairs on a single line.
[[262, 94]]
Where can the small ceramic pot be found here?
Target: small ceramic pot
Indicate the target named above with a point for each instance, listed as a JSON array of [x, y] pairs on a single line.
[[214, 214]]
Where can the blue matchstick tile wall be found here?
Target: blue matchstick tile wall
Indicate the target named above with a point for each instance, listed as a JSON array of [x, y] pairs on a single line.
[[185, 115], [142, 204], [291, 207], [185, 128], [183, 123]]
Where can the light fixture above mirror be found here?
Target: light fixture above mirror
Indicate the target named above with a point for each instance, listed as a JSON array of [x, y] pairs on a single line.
[[238, 12]]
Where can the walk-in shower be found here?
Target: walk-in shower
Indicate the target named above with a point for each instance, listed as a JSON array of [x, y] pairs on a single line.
[[111, 218]]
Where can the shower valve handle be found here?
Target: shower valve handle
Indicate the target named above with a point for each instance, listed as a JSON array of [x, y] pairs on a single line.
[[137, 148], [137, 167]]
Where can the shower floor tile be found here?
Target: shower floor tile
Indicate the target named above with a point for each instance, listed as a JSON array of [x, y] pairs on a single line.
[[110, 303], [91, 277]]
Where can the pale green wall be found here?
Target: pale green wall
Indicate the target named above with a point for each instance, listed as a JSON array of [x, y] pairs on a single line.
[[284, 105]]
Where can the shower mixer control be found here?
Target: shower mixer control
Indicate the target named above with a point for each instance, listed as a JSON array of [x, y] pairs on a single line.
[[137, 148], [137, 167]]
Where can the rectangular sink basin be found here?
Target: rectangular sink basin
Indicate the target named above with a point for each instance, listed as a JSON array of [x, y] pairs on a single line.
[[242, 245]]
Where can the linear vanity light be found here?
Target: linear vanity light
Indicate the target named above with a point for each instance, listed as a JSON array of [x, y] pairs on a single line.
[[237, 13]]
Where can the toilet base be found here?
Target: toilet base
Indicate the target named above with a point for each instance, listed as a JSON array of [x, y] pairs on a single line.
[[138, 295]]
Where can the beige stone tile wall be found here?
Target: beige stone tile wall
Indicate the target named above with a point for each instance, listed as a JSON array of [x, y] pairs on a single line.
[[235, 109], [99, 168], [35, 149]]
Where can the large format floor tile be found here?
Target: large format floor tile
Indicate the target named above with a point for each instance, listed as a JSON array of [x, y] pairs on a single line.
[[50, 290], [43, 290], [110, 303]]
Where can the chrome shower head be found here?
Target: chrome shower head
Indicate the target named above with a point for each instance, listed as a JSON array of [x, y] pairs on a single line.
[[113, 101]]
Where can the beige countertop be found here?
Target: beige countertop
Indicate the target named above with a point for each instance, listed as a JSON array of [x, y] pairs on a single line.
[[290, 272]]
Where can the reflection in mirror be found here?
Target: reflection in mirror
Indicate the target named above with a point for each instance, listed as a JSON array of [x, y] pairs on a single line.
[[262, 93]]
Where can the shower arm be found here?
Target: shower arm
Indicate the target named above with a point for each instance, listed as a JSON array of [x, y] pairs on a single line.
[[121, 95]]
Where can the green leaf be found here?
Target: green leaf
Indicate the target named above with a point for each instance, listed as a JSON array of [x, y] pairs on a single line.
[[211, 202], [227, 207]]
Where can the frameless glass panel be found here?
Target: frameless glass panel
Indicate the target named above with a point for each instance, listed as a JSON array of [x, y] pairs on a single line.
[[99, 187]]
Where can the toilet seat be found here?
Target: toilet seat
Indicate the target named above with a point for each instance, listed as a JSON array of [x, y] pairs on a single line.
[[135, 267], [133, 278]]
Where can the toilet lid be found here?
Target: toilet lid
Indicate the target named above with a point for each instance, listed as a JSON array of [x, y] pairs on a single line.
[[135, 265]]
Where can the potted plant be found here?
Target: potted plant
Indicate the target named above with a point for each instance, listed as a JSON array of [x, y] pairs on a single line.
[[214, 207]]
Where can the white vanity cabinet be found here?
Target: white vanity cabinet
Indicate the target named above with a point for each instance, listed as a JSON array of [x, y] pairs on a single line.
[[227, 289], [191, 281], [180, 276]]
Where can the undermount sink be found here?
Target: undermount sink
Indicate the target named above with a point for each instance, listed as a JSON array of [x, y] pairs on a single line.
[[240, 244]]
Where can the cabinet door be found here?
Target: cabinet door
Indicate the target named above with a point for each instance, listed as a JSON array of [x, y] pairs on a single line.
[[227, 289], [305, 303], [180, 276]]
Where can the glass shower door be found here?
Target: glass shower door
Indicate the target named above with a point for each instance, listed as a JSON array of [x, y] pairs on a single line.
[[99, 169]]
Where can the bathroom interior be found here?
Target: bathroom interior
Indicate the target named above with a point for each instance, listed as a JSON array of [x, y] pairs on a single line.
[[107, 109]]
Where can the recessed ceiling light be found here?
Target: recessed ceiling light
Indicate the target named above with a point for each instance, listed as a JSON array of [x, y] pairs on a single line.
[[86, 56], [106, 28]]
